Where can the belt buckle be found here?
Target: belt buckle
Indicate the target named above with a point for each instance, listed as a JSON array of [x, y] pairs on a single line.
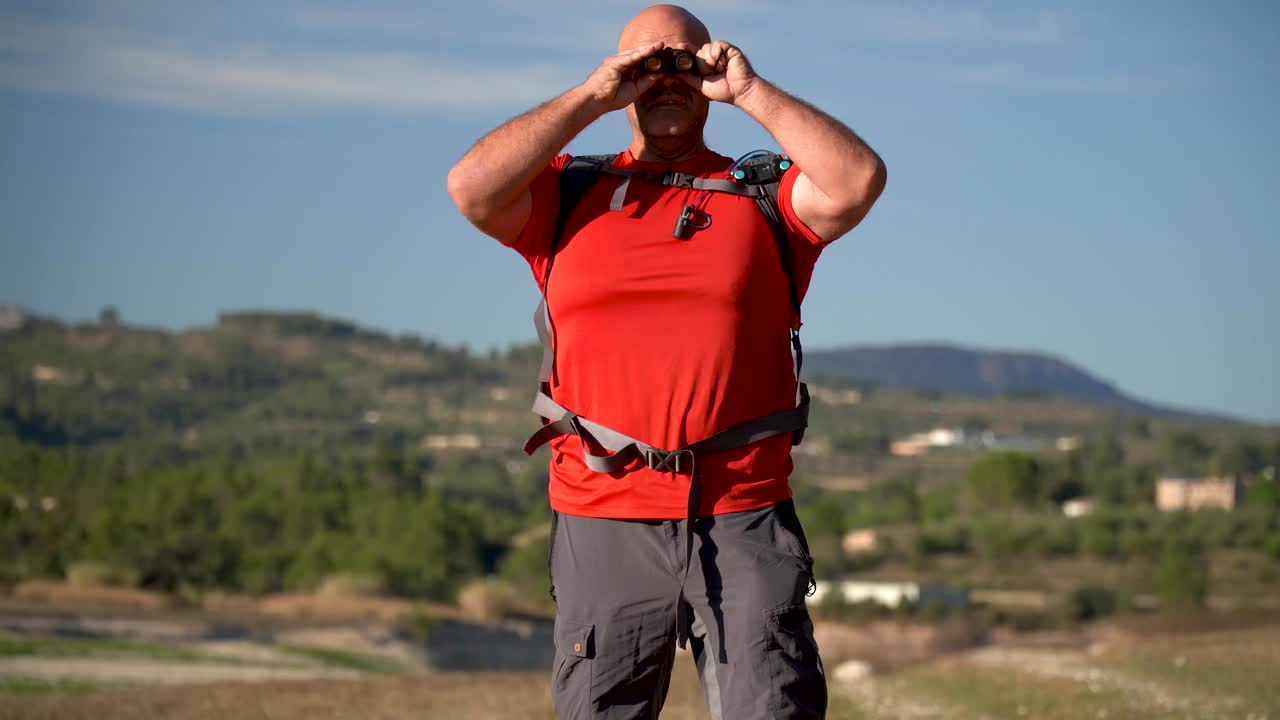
[[665, 460], [656, 459]]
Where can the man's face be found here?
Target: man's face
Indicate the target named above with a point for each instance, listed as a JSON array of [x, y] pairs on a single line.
[[671, 108]]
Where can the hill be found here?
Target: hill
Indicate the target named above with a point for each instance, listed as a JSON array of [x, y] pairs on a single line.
[[971, 372], [283, 379]]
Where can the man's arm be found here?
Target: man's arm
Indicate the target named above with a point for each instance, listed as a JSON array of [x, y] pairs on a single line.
[[841, 175], [490, 184]]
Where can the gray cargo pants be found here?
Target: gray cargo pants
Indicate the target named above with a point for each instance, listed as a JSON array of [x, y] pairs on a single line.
[[619, 584]]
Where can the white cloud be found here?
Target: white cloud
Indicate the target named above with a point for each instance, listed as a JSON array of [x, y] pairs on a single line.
[[40, 56]]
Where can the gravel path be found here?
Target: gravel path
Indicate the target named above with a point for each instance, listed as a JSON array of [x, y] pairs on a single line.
[[144, 671]]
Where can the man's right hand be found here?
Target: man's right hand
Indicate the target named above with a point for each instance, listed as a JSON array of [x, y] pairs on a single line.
[[614, 85]]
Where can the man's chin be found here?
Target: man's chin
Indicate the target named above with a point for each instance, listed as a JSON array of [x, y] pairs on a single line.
[[665, 127]]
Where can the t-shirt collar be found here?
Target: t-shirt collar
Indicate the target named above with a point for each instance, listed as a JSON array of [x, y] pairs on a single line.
[[705, 161]]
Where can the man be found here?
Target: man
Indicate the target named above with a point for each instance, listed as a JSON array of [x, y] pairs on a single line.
[[665, 341]]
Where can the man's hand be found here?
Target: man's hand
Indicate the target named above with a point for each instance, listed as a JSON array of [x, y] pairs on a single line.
[[724, 74], [614, 85]]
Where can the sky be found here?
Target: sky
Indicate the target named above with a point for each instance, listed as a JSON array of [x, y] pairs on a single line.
[[1096, 180]]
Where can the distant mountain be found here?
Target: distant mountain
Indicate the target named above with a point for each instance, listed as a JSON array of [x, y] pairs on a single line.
[[962, 371], [276, 377]]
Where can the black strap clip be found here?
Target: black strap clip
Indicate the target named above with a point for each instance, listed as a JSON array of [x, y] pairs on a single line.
[[691, 217]]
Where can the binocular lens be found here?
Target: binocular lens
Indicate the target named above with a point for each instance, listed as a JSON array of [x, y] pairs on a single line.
[[669, 61]]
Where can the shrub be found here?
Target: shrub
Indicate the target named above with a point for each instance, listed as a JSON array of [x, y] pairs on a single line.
[[1098, 538], [525, 568], [936, 540], [1004, 478], [87, 575], [1182, 580], [487, 599], [1091, 603], [1271, 546]]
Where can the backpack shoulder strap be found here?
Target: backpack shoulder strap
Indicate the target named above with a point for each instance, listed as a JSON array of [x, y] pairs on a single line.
[[576, 179], [766, 172]]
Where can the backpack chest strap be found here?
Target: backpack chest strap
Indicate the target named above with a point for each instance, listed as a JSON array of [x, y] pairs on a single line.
[[677, 180]]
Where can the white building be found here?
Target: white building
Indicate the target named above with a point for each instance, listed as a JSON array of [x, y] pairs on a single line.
[[891, 594], [1078, 507]]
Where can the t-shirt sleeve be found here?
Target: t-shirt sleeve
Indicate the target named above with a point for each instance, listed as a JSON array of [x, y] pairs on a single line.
[[806, 245], [534, 241], [794, 225]]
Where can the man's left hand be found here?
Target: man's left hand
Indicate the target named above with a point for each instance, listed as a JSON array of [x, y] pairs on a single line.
[[724, 74]]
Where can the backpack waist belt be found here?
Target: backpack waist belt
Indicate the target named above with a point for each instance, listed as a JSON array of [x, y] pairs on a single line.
[[622, 450]]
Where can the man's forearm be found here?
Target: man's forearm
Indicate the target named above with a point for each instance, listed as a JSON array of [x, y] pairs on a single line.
[[831, 155], [501, 165]]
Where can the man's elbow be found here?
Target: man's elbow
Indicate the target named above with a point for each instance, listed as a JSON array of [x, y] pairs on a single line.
[[863, 193], [872, 185], [464, 197]]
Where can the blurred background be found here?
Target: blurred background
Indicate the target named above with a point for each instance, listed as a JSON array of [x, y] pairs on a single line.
[[263, 391]]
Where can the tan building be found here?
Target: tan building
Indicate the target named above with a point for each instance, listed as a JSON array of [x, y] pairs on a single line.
[[858, 542], [1216, 493]]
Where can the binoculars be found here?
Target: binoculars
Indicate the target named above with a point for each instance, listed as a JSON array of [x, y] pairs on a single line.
[[669, 60]]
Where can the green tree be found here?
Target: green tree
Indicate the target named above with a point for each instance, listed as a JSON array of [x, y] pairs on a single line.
[[525, 567], [1262, 493], [1238, 458], [1184, 452], [1125, 485], [1005, 478], [1182, 578]]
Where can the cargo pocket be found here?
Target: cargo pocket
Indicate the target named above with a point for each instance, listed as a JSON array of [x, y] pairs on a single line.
[[789, 527], [797, 686], [571, 681]]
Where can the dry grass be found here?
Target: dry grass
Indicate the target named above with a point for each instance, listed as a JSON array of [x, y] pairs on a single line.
[[1222, 674], [455, 696], [65, 594], [312, 605], [486, 600]]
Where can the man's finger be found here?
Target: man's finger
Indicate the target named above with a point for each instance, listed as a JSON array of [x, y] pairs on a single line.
[[628, 58], [704, 58], [642, 51], [646, 81]]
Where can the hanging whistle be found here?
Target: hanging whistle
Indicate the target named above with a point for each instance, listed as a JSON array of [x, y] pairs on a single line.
[[690, 217]]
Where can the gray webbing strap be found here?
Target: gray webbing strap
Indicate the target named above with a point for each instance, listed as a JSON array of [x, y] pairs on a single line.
[[619, 198], [624, 448], [544, 337], [725, 186], [680, 180]]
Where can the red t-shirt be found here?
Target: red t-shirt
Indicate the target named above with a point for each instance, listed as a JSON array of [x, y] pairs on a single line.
[[667, 340]]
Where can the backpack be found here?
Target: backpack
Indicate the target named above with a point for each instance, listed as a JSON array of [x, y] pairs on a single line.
[[756, 175]]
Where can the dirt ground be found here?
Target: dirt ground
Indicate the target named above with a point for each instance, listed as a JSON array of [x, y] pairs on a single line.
[[83, 668]]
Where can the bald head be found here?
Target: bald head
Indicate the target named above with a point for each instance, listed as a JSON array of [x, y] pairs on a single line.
[[671, 24]]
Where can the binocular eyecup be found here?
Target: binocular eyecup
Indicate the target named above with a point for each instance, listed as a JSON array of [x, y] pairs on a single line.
[[668, 61]]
